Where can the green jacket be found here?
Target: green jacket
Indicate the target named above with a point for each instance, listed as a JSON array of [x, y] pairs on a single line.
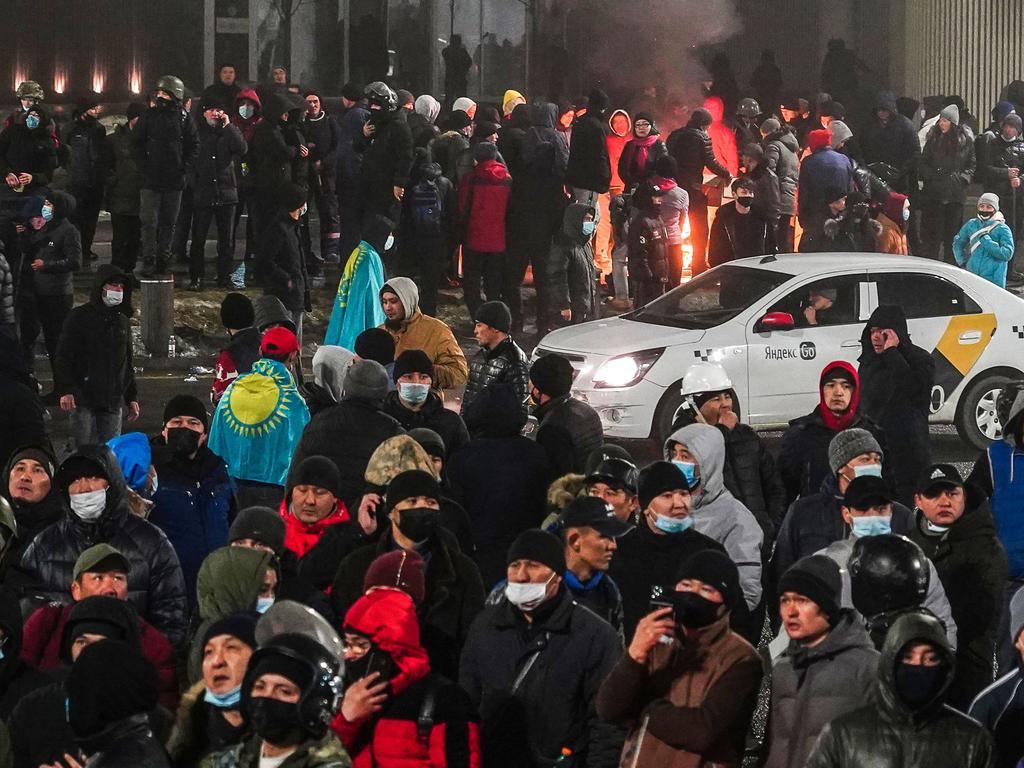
[[326, 752]]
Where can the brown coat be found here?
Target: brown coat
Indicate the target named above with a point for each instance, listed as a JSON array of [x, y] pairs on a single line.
[[690, 705], [438, 342], [892, 238]]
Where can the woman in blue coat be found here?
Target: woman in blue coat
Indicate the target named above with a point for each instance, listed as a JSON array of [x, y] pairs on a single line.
[[984, 245]]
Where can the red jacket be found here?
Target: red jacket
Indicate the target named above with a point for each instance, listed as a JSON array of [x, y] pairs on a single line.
[[299, 537], [483, 200], [40, 648], [393, 738]]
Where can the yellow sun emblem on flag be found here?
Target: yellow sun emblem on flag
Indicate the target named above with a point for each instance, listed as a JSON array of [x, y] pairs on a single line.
[[259, 403]]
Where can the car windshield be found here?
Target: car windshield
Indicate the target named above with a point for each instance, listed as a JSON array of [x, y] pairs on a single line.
[[710, 299]]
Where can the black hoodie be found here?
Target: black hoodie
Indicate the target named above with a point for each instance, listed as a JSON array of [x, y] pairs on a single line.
[[59, 246], [29, 150], [94, 354]]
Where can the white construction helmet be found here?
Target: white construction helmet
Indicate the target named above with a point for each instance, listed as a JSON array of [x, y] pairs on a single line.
[[705, 377]]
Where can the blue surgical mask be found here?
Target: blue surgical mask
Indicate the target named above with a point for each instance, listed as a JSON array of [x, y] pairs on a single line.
[[47, 212], [872, 525], [906, 214], [414, 394], [32, 122], [868, 470], [263, 604], [589, 227], [689, 470], [246, 111], [932, 528], [667, 524], [227, 700]]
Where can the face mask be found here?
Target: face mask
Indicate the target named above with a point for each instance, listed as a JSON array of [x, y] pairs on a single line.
[[872, 525], [246, 111], [227, 700], [113, 298], [89, 505], [917, 685], [689, 470], [906, 214], [276, 721], [868, 470], [182, 441], [31, 122], [418, 523], [163, 103], [589, 228], [744, 202], [47, 212], [932, 528], [303, 209], [416, 394], [389, 242], [986, 215], [526, 597], [667, 524], [263, 604], [692, 610]]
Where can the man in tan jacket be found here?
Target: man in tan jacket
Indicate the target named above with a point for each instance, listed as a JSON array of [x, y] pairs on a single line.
[[687, 685], [411, 329]]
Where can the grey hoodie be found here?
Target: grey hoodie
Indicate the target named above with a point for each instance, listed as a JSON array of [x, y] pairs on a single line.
[[717, 513], [407, 292], [330, 364]]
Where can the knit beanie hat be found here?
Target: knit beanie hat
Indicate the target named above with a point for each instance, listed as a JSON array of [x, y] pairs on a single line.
[[318, 471], [849, 444], [1013, 119], [109, 682], [1002, 109], [276, 663], [408, 485], [771, 125], [484, 151], [951, 113], [100, 615], [398, 569], [552, 375], [186, 405], [816, 578], [714, 568], [458, 120], [818, 139], [656, 479], [495, 314], [429, 441], [541, 547], [241, 625], [376, 344], [260, 524], [404, 97], [352, 91], [366, 379], [236, 311], [989, 197], [483, 129], [37, 454], [840, 132], [413, 361]]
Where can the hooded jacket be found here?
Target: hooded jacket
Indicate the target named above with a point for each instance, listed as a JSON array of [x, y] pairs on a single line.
[[330, 364], [569, 430], [387, 159], [716, 512], [690, 146], [155, 584], [272, 154], [821, 171], [166, 143], [213, 181], [572, 276], [94, 354], [888, 732], [995, 247], [123, 179], [483, 202], [896, 387], [781, 155], [616, 142], [248, 125], [30, 150], [419, 331], [505, 364], [588, 166], [544, 156], [58, 245], [895, 143], [972, 566]]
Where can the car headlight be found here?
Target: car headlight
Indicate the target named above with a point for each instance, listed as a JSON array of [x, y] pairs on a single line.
[[626, 370]]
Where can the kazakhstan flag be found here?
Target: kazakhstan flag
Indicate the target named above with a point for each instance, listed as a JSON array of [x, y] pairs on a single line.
[[357, 302]]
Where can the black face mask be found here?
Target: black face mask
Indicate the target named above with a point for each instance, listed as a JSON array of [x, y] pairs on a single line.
[[182, 441], [276, 721], [418, 523], [917, 684], [692, 610], [744, 202], [164, 103]]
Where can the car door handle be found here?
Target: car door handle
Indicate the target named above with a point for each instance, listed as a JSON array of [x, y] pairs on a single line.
[[969, 337], [849, 344]]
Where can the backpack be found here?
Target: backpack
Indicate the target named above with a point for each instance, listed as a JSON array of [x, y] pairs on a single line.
[[425, 209]]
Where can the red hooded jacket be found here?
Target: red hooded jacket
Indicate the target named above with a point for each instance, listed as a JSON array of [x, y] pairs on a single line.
[[300, 537], [483, 200], [392, 738], [838, 423], [248, 127]]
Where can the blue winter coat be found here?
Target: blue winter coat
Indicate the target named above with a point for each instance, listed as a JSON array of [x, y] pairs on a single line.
[[990, 259], [821, 171]]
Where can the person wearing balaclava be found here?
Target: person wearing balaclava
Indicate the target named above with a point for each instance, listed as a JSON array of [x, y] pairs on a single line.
[[388, 679], [908, 721], [527, 719], [194, 499], [984, 245], [697, 712], [410, 516]]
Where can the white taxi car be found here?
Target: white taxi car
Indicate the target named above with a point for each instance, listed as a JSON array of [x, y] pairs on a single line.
[[750, 317]]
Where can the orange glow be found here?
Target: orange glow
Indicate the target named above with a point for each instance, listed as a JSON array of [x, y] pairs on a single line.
[[20, 75], [135, 79], [99, 78], [60, 79]]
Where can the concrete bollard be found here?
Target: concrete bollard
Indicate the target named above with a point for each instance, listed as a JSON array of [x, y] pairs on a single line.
[[157, 315]]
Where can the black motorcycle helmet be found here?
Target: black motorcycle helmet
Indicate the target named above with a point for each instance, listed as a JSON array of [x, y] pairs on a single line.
[[615, 473], [887, 573], [380, 94], [748, 107]]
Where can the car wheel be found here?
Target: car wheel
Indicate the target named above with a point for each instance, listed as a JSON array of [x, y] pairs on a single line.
[[976, 420], [665, 414]]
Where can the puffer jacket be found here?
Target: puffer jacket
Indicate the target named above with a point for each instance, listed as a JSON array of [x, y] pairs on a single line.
[[123, 180], [946, 175], [887, 732], [572, 276], [781, 153], [506, 363], [155, 584], [568, 430], [166, 143], [7, 296], [59, 245], [716, 512], [813, 686], [991, 259], [213, 175], [690, 705], [1000, 156], [483, 202]]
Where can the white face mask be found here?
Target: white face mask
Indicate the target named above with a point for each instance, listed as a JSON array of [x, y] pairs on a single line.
[[89, 505], [389, 243], [527, 596], [113, 298]]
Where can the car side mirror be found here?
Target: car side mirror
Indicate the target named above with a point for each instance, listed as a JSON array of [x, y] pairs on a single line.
[[775, 321]]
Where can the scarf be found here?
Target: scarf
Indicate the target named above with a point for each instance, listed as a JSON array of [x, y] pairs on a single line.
[[844, 420], [995, 221], [638, 150]]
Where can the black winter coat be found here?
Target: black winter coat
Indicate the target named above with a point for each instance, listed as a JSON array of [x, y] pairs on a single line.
[[691, 149], [166, 144], [349, 162], [739, 236], [59, 246], [155, 584], [323, 136], [895, 143], [30, 519], [85, 141], [433, 415], [127, 744], [946, 175], [21, 412], [213, 175], [271, 154], [17, 679], [505, 364], [1000, 156], [7, 316], [972, 567], [24, 150], [282, 267], [780, 155], [348, 433], [554, 705], [94, 353], [569, 430], [123, 180], [454, 595], [387, 160], [588, 166]]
